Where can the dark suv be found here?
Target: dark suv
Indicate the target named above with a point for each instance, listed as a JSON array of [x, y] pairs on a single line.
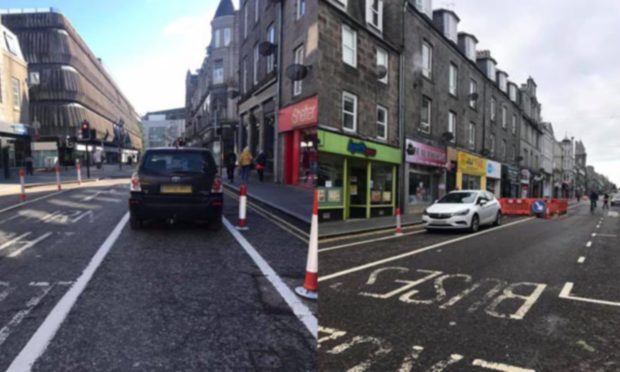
[[176, 183]]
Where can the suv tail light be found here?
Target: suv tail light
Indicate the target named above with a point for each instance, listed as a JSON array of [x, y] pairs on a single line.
[[135, 183], [217, 185]]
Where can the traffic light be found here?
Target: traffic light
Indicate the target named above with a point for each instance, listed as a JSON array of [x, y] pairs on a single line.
[[85, 130]]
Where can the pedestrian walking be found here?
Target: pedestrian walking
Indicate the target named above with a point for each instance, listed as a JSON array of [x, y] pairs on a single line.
[[261, 162], [29, 168], [606, 201], [246, 162], [231, 163]]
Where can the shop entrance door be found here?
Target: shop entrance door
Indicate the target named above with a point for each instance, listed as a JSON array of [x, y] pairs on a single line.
[[358, 186]]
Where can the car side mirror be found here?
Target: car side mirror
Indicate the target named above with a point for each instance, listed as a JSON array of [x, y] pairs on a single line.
[[482, 203]]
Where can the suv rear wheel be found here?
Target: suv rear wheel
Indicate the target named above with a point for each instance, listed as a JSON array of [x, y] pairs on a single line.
[[135, 223], [215, 224]]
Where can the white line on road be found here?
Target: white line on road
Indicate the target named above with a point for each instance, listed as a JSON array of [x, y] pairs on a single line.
[[369, 241], [91, 197], [607, 235], [593, 234], [598, 226], [32, 201], [6, 292], [499, 366], [418, 251], [589, 244], [29, 245], [47, 330], [568, 287], [581, 259], [5, 332], [13, 241], [299, 308]]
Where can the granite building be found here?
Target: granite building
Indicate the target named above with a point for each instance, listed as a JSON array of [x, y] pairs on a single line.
[[358, 122], [69, 85], [211, 111], [15, 131]]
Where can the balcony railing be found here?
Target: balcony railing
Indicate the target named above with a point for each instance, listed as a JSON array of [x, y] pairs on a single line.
[[30, 10]]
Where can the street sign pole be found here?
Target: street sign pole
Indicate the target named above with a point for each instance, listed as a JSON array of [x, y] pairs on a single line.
[[87, 162]]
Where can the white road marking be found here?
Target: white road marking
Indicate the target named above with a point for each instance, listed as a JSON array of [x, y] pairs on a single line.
[[607, 235], [441, 365], [407, 365], [613, 214], [382, 347], [51, 216], [369, 241], [91, 197], [568, 287], [598, 226], [581, 259], [84, 214], [589, 244], [47, 330], [13, 241], [299, 308], [5, 332], [29, 245], [418, 251], [499, 366], [6, 291], [508, 294], [333, 335], [32, 201], [593, 234]]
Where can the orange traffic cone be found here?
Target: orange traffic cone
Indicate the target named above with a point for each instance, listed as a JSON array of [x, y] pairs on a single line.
[[310, 288], [399, 230]]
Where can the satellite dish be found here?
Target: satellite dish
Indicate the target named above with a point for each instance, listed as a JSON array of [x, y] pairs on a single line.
[[266, 48], [474, 96], [410, 149], [232, 94], [381, 72], [297, 72], [447, 136]]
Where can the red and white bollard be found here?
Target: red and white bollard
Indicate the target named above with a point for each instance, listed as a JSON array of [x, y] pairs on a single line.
[[58, 176], [22, 174], [79, 171], [243, 204], [399, 230], [311, 285]]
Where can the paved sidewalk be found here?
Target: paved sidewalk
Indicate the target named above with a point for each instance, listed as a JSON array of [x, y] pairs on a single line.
[[69, 174], [291, 200], [334, 228]]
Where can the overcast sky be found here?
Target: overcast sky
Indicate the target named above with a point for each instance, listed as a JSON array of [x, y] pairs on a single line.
[[572, 50]]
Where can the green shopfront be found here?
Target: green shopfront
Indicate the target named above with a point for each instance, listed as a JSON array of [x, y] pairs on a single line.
[[356, 178]]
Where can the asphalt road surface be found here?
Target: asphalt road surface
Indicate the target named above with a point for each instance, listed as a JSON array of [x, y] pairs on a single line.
[[531, 295], [164, 298]]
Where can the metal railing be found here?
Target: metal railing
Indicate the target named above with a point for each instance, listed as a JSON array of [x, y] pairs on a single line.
[[29, 10]]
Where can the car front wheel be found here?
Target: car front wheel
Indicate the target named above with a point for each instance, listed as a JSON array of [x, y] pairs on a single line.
[[475, 223]]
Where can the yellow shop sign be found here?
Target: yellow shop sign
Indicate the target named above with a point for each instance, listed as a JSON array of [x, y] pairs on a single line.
[[470, 164]]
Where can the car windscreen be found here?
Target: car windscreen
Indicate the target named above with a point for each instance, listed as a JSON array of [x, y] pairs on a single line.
[[165, 162], [458, 198]]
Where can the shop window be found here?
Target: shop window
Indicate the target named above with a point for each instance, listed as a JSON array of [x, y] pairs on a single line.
[[471, 182], [382, 122], [349, 112], [420, 189], [381, 184]]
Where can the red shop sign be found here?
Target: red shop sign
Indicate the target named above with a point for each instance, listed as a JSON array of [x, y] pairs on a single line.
[[299, 115]]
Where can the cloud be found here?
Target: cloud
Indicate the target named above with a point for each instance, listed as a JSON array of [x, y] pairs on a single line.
[[570, 48], [153, 77]]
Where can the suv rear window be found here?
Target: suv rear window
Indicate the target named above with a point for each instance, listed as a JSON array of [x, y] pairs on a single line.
[[177, 162]]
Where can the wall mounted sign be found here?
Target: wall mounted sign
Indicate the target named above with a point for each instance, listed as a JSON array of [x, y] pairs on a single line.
[[470, 164], [494, 169], [420, 153], [299, 115], [360, 148]]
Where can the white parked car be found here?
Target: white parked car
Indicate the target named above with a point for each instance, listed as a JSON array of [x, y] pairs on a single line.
[[465, 209]]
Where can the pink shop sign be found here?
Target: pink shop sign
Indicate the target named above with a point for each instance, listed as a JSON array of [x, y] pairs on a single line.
[[420, 153]]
